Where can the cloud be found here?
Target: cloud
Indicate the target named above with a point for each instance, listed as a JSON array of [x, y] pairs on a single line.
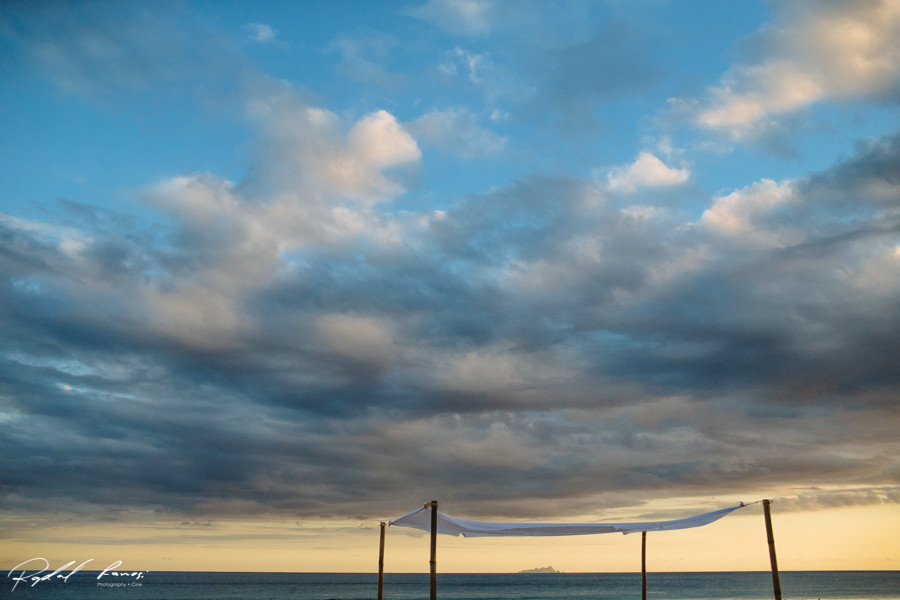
[[308, 149], [261, 33], [474, 65], [792, 213], [587, 55], [361, 339], [494, 78], [291, 341], [227, 241], [809, 54], [821, 499], [571, 78], [380, 141], [363, 58], [91, 51], [465, 17], [646, 171], [457, 130], [231, 242], [595, 353], [740, 213]]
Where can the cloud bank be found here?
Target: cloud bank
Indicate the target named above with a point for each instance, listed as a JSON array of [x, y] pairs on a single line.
[[542, 341], [320, 334]]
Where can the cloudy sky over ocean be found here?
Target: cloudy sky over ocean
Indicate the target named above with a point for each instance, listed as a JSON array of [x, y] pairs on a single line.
[[298, 262]]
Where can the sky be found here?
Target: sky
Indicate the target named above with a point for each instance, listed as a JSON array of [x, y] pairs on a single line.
[[274, 272]]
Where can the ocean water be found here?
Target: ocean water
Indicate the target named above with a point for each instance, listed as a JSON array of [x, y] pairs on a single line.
[[83, 585]]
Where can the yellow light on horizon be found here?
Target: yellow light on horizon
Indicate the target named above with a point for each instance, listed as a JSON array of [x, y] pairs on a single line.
[[852, 538]]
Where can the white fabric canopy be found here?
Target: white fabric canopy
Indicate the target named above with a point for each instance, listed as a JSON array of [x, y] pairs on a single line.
[[421, 519]]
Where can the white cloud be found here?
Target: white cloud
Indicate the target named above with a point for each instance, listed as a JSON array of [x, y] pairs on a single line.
[[376, 143], [751, 94], [305, 152], [67, 239], [200, 198], [646, 171], [261, 33], [380, 141], [814, 52], [312, 183], [457, 130], [492, 78], [473, 64], [749, 214], [468, 17]]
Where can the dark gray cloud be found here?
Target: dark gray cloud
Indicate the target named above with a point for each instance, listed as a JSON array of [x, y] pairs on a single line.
[[545, 341]]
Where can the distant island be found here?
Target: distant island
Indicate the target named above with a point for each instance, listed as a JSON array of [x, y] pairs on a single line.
[[541, 570]]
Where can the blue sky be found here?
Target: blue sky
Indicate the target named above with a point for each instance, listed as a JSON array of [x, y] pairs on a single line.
[[571, 255]]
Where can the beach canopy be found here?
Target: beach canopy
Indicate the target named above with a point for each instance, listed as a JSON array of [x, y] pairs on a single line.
[[446, 524]]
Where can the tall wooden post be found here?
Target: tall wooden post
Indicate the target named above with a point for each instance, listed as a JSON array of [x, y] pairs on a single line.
[[643, 565], [381, 563], [776, 582], [433, 562]]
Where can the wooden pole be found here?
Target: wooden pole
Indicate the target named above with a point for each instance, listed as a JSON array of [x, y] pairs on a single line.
[[643, 565], [433, 562], [381, 563], [776, 582]]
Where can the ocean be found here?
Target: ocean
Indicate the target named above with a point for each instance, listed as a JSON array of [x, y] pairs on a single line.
[[84, 585]]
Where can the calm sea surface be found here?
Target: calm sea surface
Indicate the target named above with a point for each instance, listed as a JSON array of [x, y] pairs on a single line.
[[83, 585]]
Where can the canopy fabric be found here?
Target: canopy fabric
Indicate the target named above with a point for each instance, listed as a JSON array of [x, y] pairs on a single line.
[[421, 519]]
